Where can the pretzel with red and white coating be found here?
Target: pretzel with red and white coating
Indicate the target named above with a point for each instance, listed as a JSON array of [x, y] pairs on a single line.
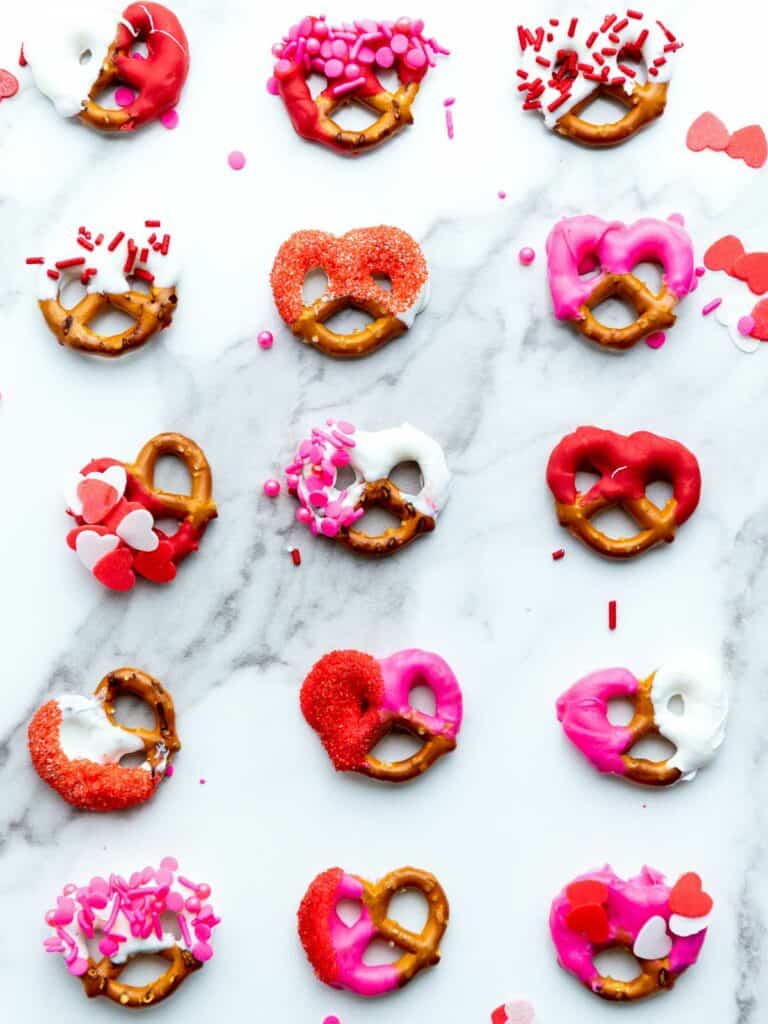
[[350, 263], [76, 743], [349, 56], [626, 466]]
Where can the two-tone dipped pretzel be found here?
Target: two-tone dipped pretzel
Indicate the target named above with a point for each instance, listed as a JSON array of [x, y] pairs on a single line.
[[697, 732], [333, 511], [567, 64], [336, 950], [663, 927], [612, 250], [626, 465], [350, 263], [353, 700], [128, 918], [76, 743], [132, 272], [63, 48], [349, 57], [116, 504]]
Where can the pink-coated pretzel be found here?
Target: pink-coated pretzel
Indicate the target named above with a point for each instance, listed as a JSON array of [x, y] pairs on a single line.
[[353, 700]]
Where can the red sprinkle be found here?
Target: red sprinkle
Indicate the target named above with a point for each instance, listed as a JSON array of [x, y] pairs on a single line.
[[116, 241], [166, 245], [98, 239], [637, 15], [145, 275], [611, 615], [557, 555], [85, 244], [35, 259], [130, 258], [22, 59], [151, 223], [296, 556], [76, 261], [53, 274]]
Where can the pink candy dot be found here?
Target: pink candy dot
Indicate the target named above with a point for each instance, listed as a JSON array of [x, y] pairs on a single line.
[[283, 67], [236, 160], [346, 428], [329, 527], [746, 325], [174, 901], [318, 498], [527, 256], [203, 891], [266, 339], [169, 769], [271, 488], [340, 458], [169, 120], [272, 87], [502, 194], [124, 96], [332, 1020], [656, 340], [339, 48], [303, 515], [399, 44], [193, 904], [169, 863], [677, 218], [333, 68], [415, 59], [107, 946], [403, 25], [385, 58], [366, 55], [202, 951], [78, 967], [352, 71], [701, 271]]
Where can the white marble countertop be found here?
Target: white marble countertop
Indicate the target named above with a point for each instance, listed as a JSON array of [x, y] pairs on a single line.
[[515, 813]]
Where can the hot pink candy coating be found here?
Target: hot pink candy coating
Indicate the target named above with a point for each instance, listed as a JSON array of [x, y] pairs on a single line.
[[583, 713]]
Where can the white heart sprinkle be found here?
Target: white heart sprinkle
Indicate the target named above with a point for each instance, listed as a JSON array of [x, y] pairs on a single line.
[[653, 942], [91, 547], [136, 530], [687, 926]]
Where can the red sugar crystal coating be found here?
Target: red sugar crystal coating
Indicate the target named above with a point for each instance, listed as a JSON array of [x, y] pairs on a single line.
[[341, 699], [85, 784], [349, 264], [313, 916]]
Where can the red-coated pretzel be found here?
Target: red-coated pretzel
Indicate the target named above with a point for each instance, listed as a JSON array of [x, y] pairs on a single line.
[[626, 466], [346, 56]]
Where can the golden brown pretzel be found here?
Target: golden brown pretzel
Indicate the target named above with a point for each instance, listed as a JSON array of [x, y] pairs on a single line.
[[654, 976], [384, 494], [434, 746], [646, 102], [103, 979], [643, 723], [654, 312], [160, 742], [657, 525], [393, 110], [196, 508], [310, 326], [151, 311]]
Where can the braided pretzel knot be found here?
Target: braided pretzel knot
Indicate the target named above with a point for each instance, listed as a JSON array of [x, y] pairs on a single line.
[[353, 700], [336, 951], [613, 249], [103, 784], [565, 67], [626, 466], [349, 264], [346, 56], [158, 79]]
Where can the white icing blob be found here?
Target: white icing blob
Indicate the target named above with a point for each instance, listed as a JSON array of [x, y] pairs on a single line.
[[699, 731], [87, 734], [376, 453]]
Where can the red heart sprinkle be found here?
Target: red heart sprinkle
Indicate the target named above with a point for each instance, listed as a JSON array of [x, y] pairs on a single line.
[[723, 254], [156, 565], [688, 898], [9, 84], [114, 570], [753, 268], [760, 316], [707, 132], [499, 1015], [97, 497], [590, 921], [581, 893], [749, 144]]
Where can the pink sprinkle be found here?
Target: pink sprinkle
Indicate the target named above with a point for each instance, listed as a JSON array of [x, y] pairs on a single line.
[[701, 271], [746, 325], [656, 340], [449, 101], [169, 120], [303, 514], [346, 428], [677, 218], [527, 256], [272, 87], [333, 68], [236, 160], [202, 951], [174, 901], [345, 87], [501, 194], [266, 339], [271, 488], [711, 307], [415, 59], [449, 122], [385, 58], [124, 96], [329, 527], [332, 1020], [169, 769], [202, 782]]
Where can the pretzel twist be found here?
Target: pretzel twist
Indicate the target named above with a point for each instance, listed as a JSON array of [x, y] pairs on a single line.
[[654, 312], [150, 311], [160, 741], [645, 103], [103, 979], [654, 976], [310, 327], [386, 495], [196, 508]]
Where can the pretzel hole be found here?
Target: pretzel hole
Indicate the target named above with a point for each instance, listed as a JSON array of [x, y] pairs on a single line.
[[376, 521], [134, 713], [349, 912], [315, 285], [106, 97], [615, 523], [676, 705], [353, 116], [389, 79], [615, 312], [138, 284], [345, 477], [379, 952], [110, 321], [407, 477], [316, 83], [398, 745], [383, 281], [617, 964], [139, 46], [143, 969], [586, 480], [604, 109], [659, 492], [422, 698], [349, 321], [621, 710], [172, 475], [652, 748], [589, 267], [651, 274]]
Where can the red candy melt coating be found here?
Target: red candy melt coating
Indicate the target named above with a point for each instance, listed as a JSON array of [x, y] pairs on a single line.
[[85, 784], [313, 917], [341, 700], [626, 465], [688, 898]]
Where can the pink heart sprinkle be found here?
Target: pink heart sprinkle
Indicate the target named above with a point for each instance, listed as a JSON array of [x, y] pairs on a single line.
[[656, 340], [124, 96], [169, 120], [746, 325], [236, 160]]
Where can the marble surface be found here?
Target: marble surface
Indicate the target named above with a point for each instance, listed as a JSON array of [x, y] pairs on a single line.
[[515, 813]]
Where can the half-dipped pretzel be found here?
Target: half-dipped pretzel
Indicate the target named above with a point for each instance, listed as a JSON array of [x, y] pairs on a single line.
[[76, 743], [336, 950], [62, 49], [333, 511], [349, 264], [353, 700], [663, 928], [613, 250], [348, 56], [627, 465], [129, 917], [566, 65], [697, 732], [109, 267], [116, 504]]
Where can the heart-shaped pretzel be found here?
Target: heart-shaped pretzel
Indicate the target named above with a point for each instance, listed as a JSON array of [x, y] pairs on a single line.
[[346, 56], [78, 753], [332, 511], [566, 65], [697, 732], [626, 466], [129, 918], [613, 250], [350, 263], [116, 504], [336, 950], [353, 700]]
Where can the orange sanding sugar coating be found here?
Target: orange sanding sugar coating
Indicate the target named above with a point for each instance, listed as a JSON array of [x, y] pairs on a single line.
[[314, 915], [349, 263], [85, 784], [341, 700]]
